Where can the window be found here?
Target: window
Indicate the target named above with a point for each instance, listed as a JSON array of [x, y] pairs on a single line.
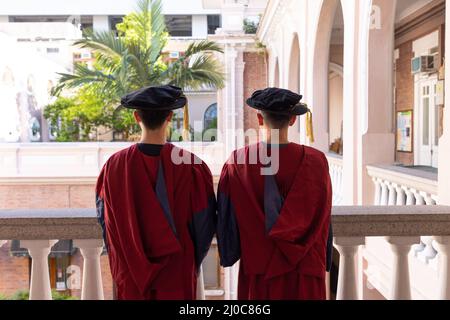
[[179, 25], [52, 50], [210, 123], [214, 22], [114, 21]]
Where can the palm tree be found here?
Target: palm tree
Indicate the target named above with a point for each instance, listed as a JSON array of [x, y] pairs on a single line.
[[134, 59]]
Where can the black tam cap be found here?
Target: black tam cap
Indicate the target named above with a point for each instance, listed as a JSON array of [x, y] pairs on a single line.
[[155, 98], [280, 101]]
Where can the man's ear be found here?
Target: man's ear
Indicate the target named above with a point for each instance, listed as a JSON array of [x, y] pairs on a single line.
[[260, 119], [170, 116], [292, 121], [137, 117]]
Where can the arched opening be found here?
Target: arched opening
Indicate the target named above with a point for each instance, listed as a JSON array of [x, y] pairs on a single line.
[[327, 86], [336, 83], [294, 82], [294, 65]]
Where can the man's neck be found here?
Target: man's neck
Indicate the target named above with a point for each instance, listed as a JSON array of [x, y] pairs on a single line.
[[154, 137], [281, 137]]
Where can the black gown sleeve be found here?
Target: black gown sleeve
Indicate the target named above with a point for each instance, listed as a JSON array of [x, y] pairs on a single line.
[[202, 227], [228, 238]]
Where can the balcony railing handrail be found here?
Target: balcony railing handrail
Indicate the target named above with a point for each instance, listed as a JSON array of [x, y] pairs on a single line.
[[47, 224], [348, 221], [382, 221]]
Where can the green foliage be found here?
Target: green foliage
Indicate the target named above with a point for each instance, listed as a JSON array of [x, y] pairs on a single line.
[[25, 295], [76, 118], [250, 27], [127, 62], [20, 295]]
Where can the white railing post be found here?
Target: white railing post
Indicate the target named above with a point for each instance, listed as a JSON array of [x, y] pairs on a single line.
[[377, 197], [201, 285], [384, 193], [348, 276], [231, 279], [392, 195], [39, 250], [400, 285], [410, 199], [443, 247], [91, 251], [401, 196]]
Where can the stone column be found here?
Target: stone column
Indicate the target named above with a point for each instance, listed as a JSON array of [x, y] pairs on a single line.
[[378, 139], [231, 122], [444, 142], [40, 279], [91, 251]]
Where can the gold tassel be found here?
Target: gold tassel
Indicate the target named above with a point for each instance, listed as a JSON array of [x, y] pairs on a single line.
[[309, 127], [186, 134]]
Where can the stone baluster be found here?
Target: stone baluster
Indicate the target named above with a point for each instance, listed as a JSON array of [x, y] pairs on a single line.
[[384, 193], [201, 285], [348, 276], [91, 251], [420, 201], [401, 195], [234, 281], [377, 197], [443, 247], [392, 194], [428, 253], [400, 285], [410, 199], [227, 283], [40, 279]]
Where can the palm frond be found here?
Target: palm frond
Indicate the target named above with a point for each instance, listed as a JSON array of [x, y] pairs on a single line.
[[201, 47], [82, 76]]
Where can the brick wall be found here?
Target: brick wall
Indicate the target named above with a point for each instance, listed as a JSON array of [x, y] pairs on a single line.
[[255, 78], [404, 92], [14, 272]]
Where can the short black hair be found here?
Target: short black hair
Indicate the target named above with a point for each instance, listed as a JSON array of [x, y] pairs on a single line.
[[153, 119], [276, 120]]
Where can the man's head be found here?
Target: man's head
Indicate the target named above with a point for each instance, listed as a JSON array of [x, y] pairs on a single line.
[[277, 108], [153, 120], [275, 121], [154, 105]]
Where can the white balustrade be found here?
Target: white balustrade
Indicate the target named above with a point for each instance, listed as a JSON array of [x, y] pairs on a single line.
[[403, 186], [401, 226], [336, 174], [91, 251]]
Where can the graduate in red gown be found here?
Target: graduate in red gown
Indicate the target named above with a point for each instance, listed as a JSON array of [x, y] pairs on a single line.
[[274, 207], [156, 205]]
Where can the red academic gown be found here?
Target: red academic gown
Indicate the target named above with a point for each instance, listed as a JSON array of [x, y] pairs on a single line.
[[158, 220], [278, 225]]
